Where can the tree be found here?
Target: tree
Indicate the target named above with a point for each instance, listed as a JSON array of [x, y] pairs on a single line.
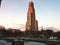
[[57, 34], [2, 31], [47, 33]]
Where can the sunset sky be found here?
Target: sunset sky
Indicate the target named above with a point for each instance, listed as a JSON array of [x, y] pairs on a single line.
[[14, 12]]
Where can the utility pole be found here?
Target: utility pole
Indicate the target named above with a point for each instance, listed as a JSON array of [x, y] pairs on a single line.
[[0, 3]]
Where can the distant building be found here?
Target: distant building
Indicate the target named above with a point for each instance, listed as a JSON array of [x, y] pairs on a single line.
[[32, 23]]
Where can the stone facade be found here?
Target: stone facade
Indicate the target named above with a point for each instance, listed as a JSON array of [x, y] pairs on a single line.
[[32, 23]]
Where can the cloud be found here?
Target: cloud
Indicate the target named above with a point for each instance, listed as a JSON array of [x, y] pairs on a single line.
[[17, 26]]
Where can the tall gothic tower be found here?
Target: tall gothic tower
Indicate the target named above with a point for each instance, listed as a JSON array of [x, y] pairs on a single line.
[[31, 23]]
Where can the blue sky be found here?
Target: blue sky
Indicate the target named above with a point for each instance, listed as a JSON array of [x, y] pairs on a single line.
[[15, 12]]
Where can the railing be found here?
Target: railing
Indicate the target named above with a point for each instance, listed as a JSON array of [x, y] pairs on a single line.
[[20, 40]]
